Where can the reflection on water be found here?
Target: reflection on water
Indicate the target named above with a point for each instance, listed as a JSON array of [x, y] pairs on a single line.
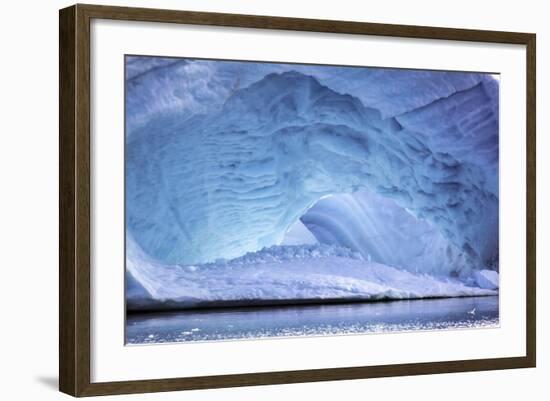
[[312, 320]]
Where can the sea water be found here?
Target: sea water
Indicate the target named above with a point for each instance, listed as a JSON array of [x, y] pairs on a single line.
[[312, 320]]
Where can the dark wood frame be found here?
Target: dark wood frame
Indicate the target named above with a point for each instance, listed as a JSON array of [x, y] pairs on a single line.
[[74, 199]]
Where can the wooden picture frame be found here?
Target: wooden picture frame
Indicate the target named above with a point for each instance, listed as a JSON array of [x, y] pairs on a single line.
[[75, 198]]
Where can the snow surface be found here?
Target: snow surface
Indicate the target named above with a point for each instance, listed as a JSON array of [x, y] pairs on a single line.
[[280, 274], [225, 159]]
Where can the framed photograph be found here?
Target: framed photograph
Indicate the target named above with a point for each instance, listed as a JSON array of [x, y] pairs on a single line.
[[250, 200]]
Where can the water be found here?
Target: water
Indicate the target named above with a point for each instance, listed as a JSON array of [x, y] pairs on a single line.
[[312, 320]]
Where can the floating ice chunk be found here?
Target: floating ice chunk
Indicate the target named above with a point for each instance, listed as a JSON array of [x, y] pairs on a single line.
[[487, 279]]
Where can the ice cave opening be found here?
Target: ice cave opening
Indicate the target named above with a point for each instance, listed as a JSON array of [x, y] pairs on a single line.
[[380, 230]]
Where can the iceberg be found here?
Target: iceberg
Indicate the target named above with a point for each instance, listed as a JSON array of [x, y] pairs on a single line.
[[229, 159]]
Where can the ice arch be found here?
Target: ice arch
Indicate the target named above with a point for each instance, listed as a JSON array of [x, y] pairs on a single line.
[[221, 184]]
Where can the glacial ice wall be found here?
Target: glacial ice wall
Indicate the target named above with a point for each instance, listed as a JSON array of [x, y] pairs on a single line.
[[223, 158]]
